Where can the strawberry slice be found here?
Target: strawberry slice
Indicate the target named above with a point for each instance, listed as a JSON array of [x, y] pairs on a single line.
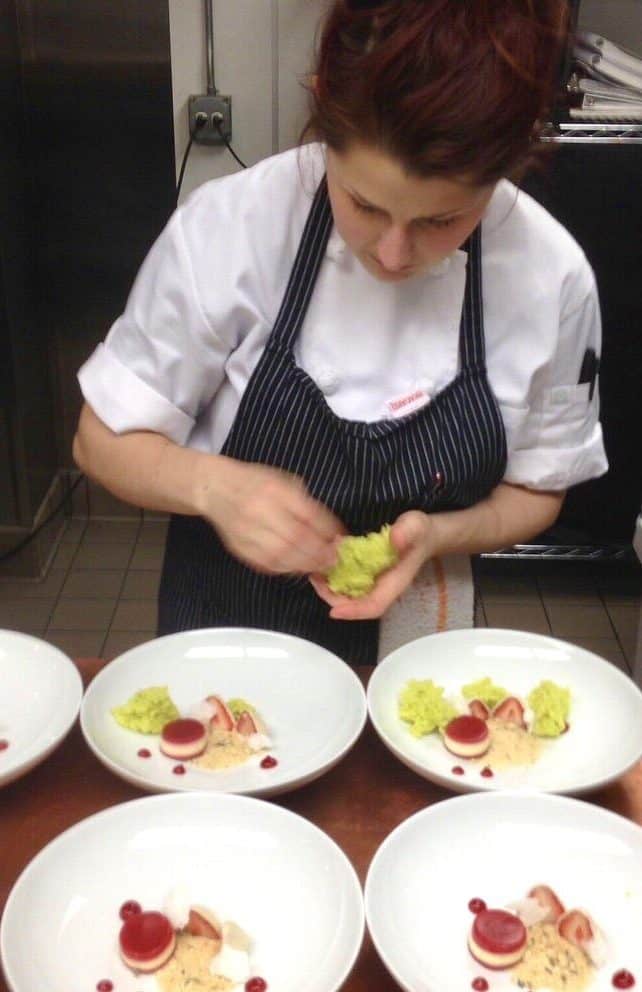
[[246, 724], [478, 709], [223, 718], [510, 710], [548, 901], [575, 926], [201, 923]]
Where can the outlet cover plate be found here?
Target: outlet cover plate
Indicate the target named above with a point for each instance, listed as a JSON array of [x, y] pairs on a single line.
[[210, 104]]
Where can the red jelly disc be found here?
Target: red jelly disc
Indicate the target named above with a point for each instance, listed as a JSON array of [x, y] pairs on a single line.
[[144, 936], [498, 932], [183, 731], [467, 729]]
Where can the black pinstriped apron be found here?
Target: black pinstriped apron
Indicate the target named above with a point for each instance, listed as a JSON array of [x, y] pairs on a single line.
[[449, 454]]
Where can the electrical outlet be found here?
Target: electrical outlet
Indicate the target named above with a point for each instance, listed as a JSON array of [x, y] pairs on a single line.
[[208, 109]]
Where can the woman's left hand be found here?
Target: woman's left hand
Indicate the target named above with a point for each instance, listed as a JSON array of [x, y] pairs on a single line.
[[411, 536]]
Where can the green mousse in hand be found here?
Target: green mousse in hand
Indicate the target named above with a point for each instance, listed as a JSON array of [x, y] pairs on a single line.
[[361, 560]]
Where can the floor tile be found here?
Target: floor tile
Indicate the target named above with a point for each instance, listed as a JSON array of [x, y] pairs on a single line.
[[621, 589], [508, 589], [574, 620], [147, 556], [119, 641], [153, 532], [626, 620], [78, 643], [47, 588], [517, 616], [74, 530], [605, 647], [86, 583], [141, 584], [111, 531], [65, 555], [135, 614], [31, 616], [561, 589], [82, 614], [105, 556]]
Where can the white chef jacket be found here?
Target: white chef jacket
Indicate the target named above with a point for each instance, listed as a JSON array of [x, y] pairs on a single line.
[[205, 300]]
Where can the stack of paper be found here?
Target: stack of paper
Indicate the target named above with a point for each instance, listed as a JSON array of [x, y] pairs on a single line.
[[607, 80]]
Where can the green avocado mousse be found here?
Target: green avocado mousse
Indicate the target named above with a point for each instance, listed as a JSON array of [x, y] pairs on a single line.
[[147, 711], [360, 561]]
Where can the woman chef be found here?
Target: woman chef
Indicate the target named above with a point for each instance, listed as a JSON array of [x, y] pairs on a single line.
[[374, 328]]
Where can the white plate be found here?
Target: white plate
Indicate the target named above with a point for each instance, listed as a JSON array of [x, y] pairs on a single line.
[[313, 704], [40, 693], [279, 877], [496, 847], [605, 736]]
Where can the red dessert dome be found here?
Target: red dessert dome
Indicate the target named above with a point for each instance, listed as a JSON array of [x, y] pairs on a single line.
[[499, 932], [467, 729], [146, 940]]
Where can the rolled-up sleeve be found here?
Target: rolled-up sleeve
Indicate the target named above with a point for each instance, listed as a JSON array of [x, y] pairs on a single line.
[[555, 439], [163, 359]]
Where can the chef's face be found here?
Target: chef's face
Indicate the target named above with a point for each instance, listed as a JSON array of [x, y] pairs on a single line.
[[396, 224]]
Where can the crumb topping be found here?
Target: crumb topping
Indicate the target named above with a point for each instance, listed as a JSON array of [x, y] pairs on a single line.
[[188, 970], [225, 748], [551, 962], [510, 745]]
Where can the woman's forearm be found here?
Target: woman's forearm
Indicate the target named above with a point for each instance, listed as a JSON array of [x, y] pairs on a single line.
[[141, 467], [510, 515]]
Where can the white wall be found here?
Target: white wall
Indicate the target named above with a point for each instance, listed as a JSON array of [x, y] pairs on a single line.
[[262, 48]]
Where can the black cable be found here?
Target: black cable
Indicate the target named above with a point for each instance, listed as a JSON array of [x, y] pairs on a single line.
[[183, 164], [217, 125], [27, 540]]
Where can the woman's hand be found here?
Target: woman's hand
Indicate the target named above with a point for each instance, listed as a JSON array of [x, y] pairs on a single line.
[[265, 518], [411, 537]]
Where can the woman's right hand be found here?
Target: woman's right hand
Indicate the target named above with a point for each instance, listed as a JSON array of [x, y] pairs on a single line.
[[265, 517]]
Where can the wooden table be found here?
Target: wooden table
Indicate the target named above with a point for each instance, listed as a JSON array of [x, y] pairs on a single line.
[[358, 804]]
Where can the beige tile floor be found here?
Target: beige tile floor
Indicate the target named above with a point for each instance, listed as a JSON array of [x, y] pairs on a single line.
[[99, 597]]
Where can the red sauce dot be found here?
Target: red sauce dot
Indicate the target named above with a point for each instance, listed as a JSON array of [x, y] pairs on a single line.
[[129, 908], [487, 772], [269, 762], [457, 770], [144, 753], [4, 744], [105, 985], [623, 979], [179, 769], [479, 984], [476, 905], [256, 985]]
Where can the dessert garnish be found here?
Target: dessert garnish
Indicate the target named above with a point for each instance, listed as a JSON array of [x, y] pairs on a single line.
[[147, 711], [4, 744]]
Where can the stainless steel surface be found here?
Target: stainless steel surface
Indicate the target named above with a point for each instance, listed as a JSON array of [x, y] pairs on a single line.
[[565, 552]]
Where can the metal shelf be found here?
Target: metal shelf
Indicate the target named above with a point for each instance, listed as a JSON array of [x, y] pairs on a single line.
[[594, 132], [566, 552]]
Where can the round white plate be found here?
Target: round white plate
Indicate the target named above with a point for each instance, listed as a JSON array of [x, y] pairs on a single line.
[[605, 736], [40, 693], [279, 877], [495, 847], [313, 705]]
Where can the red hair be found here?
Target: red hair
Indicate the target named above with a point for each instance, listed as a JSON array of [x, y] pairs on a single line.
[[454, 88]]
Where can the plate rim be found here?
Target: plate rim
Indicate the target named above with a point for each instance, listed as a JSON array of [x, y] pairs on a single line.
[[75, 686], [291, 783], [118, 809], [469, 788]]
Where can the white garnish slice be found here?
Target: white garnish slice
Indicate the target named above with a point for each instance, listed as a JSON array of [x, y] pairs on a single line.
[[235, 936], [529, 910], [259, 742], [202, 711], [596, 948], [231, 964], [177, 906]]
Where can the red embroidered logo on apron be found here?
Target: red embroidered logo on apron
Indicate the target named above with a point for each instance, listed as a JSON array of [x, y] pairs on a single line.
[[399, 406]]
